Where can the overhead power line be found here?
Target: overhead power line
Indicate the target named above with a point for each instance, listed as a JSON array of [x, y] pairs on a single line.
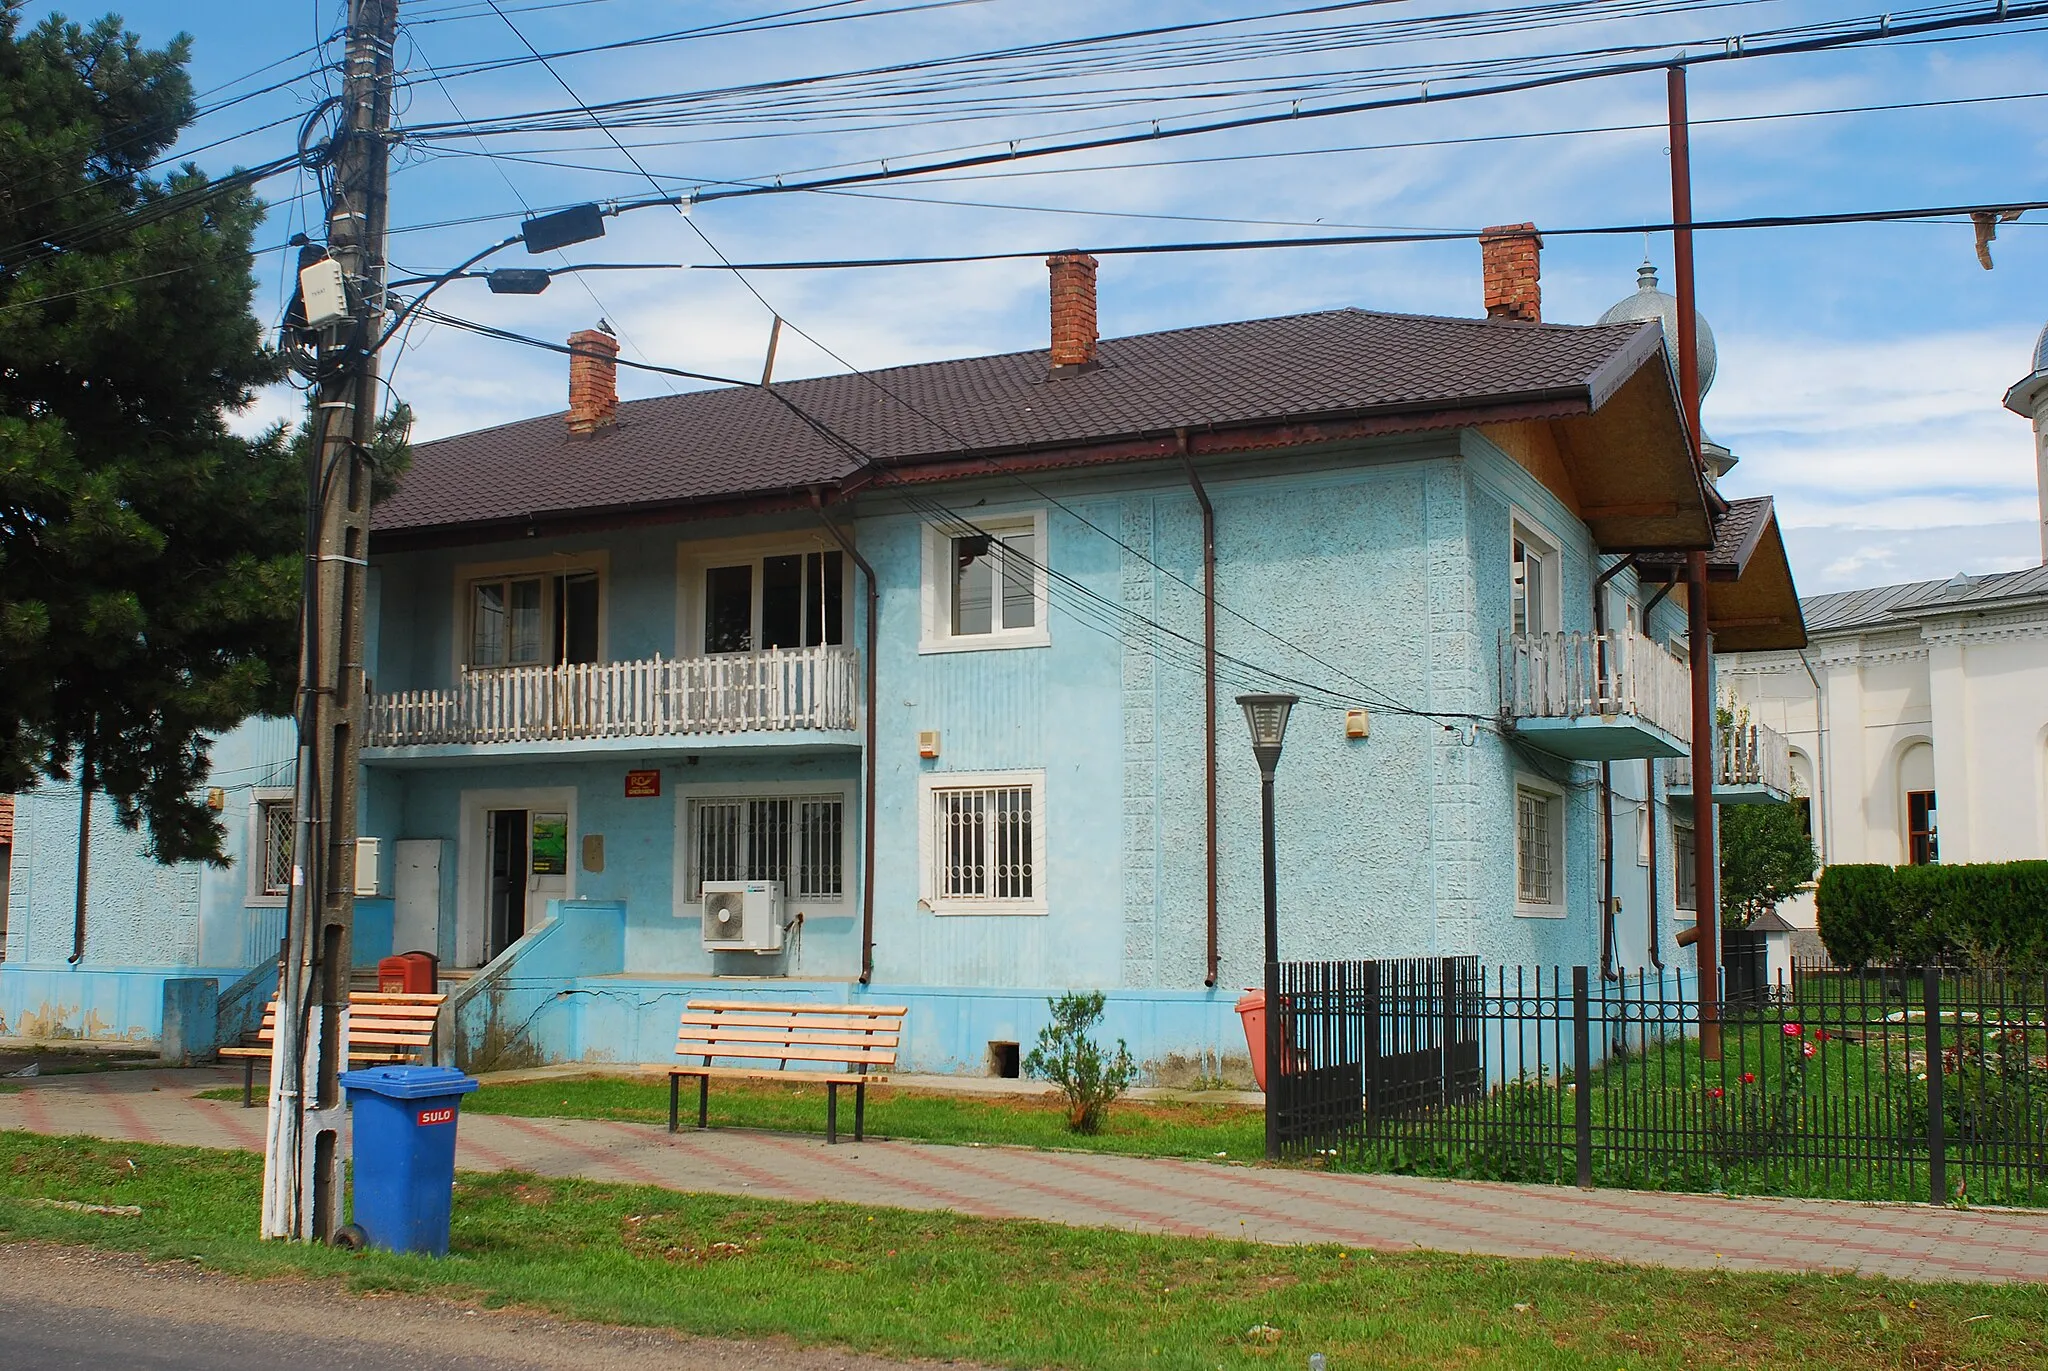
[[1360, 239], [1881, 29]]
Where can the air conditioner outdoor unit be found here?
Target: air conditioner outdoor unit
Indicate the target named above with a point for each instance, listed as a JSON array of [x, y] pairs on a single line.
[[743, 916]]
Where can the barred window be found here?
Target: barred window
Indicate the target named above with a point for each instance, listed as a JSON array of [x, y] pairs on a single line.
[[275, 824], [792, 839], [1539, 843], [984, 844]]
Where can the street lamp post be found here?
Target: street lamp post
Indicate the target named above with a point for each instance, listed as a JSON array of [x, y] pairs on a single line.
[[1267, 716]]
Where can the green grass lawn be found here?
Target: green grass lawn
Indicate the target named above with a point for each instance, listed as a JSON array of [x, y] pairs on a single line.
[[1024, 1294], [1137, 1128]]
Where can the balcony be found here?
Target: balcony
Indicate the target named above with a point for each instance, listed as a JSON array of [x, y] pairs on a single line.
[[1596, 697], [612, 706], [1752, 766]]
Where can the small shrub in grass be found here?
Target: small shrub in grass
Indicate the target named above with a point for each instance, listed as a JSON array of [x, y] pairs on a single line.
[[1068, 1056]]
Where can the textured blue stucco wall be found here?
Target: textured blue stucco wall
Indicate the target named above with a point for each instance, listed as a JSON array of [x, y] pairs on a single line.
[[145, 921]]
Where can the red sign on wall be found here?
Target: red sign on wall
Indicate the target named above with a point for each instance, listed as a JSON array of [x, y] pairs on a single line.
[[643, 785], [429, 1117]]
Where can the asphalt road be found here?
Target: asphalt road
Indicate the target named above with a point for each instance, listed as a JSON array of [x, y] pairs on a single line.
[[63, 1308]]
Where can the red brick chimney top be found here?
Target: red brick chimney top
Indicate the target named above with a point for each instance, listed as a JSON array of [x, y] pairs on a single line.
[[593, 382], [1514, 280], [1073, 312]]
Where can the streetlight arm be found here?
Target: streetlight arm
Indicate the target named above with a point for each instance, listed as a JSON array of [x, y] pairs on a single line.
[[403, 313]]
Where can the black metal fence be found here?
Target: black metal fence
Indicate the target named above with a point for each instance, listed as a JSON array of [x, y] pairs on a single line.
[[1878, 1083]]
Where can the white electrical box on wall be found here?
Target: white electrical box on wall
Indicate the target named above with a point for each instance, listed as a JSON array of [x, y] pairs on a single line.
[[369, 866]]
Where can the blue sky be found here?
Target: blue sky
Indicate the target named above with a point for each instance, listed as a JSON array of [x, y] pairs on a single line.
[[1861, 366]]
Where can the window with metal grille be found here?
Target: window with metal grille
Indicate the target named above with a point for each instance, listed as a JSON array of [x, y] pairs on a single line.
[[274, 826], [983, 843], [794, 839], [1536, 847]]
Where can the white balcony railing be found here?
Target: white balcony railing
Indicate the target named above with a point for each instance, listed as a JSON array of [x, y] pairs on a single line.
[[775, 690], [1746, 756], [1615, 675]]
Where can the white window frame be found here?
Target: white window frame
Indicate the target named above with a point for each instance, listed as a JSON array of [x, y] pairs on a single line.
[[1560, 873], [256, 854], [462, 638], [694, 560], [1549, 551], [1681, 860], [938, 633], [928, 786], [685, 863]]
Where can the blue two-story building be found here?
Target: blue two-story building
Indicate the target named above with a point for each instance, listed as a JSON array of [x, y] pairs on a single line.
[[916, 685]]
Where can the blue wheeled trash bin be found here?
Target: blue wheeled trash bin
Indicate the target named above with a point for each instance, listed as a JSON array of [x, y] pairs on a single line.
[[404, 1165]]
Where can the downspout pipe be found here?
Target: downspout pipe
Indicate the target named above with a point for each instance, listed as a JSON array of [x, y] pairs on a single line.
[[1607, 971], [1208, 690], [85, 782], [867, 803]]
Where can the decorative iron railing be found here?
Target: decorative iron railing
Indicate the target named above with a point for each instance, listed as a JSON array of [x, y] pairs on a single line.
[[1608, 675], [1745, 755], [775, 690], [1875, 1083]]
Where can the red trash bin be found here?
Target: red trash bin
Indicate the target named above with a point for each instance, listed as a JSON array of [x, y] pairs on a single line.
[[1251, 1007], [408, 973]]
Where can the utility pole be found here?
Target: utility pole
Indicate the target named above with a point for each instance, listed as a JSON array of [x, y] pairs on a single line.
[[302, 1165], [1706, 902]]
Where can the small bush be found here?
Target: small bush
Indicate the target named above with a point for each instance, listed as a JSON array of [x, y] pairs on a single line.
[[1069, 1057]]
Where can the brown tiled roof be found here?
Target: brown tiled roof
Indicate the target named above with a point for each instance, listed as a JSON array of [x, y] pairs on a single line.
[[740, 442], [1736, 535], [6, 819]]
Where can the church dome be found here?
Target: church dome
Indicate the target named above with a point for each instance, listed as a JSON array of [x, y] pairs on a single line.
[[2041, 351], [1649, 302]]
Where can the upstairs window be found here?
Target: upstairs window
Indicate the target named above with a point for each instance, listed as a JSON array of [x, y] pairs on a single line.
[[787, 600], [986, 588], [534, 620], [1533, 576]]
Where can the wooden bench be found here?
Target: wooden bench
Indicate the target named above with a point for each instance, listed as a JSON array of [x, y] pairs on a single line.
[[382, 1028], [861, 1039]]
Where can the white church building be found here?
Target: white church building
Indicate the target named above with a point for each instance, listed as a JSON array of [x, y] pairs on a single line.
[[1918, 713]]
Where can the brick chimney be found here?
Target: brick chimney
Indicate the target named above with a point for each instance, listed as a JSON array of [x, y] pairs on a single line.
[[1514, 285], [1073, 312], [593, 382]]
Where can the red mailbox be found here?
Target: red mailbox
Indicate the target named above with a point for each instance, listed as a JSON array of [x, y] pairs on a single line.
[[408, 973]]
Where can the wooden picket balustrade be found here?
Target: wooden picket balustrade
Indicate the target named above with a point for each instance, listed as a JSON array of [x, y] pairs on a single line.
[[776, 690]]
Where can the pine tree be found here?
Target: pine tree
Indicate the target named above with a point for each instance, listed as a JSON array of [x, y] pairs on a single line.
[[149, 558]]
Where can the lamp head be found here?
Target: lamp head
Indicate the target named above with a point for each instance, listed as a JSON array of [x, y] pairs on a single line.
[[1267, 717]]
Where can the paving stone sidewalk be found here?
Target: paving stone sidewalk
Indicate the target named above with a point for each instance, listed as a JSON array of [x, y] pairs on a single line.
[[1382, 1213]]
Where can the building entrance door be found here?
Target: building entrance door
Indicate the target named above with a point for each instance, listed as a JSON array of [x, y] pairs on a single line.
[[505, 908]]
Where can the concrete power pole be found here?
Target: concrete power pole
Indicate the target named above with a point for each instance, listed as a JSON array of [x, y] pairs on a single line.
[[302, 1163]]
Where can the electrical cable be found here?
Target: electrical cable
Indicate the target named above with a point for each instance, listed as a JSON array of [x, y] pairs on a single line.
[[1734, 51], [1417, 236], [604, 311]]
